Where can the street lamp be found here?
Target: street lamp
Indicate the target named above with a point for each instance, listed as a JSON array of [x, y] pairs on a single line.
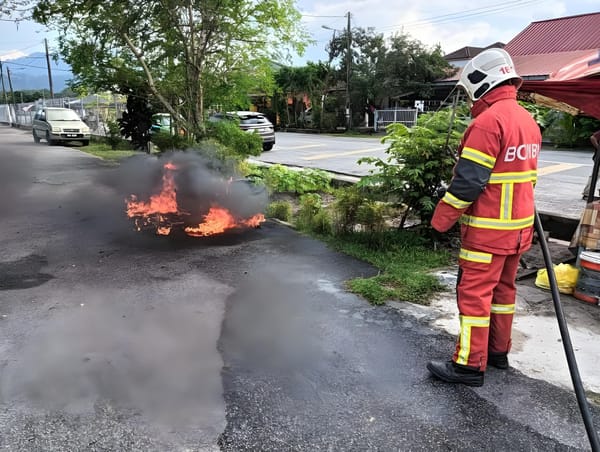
[[348, 64]]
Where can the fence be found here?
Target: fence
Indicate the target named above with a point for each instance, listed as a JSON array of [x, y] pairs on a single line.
[[406, 116], [96, 111]]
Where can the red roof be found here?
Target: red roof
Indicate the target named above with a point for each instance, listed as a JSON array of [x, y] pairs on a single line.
[[542, 65], [546, 46], [564, 34]]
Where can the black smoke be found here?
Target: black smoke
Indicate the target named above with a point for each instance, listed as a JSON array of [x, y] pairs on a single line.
[[200, 185]]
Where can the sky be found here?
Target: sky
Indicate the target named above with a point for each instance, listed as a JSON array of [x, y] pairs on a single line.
[[451, 24]]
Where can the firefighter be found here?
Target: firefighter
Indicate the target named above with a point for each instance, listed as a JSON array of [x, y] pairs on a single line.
[[491, 195]]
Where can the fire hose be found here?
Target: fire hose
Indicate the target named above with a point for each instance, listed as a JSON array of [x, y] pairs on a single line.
[[566, 340]]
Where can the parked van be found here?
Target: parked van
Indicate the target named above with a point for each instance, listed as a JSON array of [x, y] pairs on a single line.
[[57, 125]]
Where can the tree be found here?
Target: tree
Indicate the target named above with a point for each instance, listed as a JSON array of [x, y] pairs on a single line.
[[308, 80], [137, 119], [369, 56], [16, 10], [410, 67], [377, 71], [183, 51]]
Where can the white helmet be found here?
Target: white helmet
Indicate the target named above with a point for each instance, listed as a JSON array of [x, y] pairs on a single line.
[[485, 71]]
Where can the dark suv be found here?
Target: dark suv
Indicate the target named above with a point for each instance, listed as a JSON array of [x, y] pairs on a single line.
[[251, 121]]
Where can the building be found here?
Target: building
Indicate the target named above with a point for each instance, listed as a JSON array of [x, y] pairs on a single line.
[[546, 46], [540, 50]]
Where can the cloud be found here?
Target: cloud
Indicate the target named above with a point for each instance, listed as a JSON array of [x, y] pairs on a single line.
[[436, 22], [12, 55]]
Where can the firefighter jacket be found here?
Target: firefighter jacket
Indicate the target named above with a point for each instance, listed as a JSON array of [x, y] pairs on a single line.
[[491, 192]]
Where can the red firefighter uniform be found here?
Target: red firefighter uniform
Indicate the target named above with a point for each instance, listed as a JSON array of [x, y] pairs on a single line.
[[491, 194]]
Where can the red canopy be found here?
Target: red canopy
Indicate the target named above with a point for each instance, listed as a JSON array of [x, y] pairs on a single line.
[[574, 88], [580, 96]]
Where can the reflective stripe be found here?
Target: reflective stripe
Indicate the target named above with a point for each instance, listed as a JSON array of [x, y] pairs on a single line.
[[496, 223], [503, 308], [506, 201], [475, 256], [513, 177], [478, 157], [455, 202], [466, 323]]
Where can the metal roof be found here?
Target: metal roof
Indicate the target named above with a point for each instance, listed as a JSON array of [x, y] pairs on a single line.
[[542, 65], [564, 34], [535, 67]]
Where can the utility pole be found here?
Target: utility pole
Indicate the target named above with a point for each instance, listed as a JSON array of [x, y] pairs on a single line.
[[348, 64], [49, 72], [2, 80], [12, 95]]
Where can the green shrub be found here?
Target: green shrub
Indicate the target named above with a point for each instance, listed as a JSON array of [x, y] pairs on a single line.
[[218, 157], [280, 179], [282, 210], [167, 142], [420, 161], [346, 206], [370, 215], [569, 131], [229, 134], [310, 205], [322, 223], [113, 135]]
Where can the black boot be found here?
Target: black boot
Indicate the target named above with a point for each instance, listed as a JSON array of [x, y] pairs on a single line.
[[498, 360], [451, 372]]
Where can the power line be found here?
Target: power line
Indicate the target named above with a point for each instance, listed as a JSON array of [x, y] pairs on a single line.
[[35, 67], [461, 16]]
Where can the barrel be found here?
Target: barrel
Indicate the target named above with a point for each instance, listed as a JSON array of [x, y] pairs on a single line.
[[588, 283]]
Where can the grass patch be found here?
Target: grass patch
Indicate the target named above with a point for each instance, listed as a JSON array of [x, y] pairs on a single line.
[[105, 152], [404, 261]]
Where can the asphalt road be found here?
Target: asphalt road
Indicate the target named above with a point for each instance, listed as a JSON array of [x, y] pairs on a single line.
[[117, 340]]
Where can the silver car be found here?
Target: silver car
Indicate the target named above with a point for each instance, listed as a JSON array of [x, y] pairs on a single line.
[[57, 125]]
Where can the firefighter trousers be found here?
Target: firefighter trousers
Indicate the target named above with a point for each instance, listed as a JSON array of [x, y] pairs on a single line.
[[486, 293]]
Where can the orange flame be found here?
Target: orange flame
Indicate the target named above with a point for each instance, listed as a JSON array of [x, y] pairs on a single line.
[[219, 220], [161, 203], [161, 208]]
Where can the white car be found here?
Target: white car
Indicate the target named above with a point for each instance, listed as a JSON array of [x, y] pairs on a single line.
[[57, 125]]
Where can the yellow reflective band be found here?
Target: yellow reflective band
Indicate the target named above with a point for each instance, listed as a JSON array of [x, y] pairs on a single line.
[[478, 157], [449, 198], [475, 321], [513, 177], [466, 323], [496, 223], [506, 202], [475, 256], [503, 308]]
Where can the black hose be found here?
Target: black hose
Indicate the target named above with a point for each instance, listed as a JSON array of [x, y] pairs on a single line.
[[566, 340]]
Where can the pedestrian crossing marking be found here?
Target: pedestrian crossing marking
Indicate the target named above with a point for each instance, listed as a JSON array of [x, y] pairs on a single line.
[[557, 168], [341, 154]]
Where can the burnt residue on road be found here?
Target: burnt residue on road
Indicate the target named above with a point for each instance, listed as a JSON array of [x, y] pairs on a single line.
[[24, 273]]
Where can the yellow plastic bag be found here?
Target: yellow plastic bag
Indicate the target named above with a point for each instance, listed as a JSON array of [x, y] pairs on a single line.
[[566, 278]]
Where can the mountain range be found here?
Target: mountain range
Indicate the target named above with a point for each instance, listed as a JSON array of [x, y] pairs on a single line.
[[31, 73]]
